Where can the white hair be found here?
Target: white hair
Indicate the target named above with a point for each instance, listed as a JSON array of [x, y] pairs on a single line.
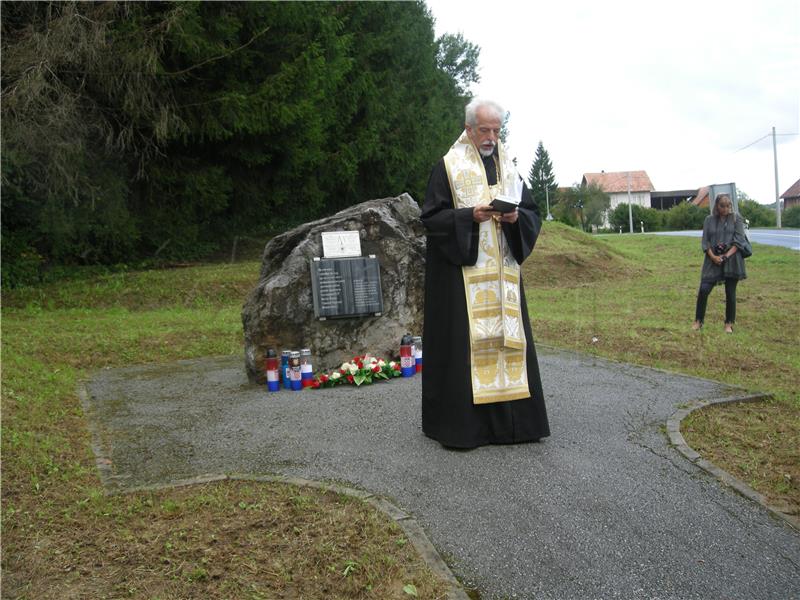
[[470, 112]]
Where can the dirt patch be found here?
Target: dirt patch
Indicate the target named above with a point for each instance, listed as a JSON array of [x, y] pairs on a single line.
[[221, 540], [565, 257]]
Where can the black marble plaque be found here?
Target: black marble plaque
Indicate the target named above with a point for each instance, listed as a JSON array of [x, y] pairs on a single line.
[[346, 287]]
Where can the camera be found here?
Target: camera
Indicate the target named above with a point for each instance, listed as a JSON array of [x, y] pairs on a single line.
[[720, 249]]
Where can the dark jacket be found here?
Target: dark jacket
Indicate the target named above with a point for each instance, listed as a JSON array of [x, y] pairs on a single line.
[[729, 231]]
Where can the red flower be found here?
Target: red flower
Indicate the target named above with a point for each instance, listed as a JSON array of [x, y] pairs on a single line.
[[350, 379], [397, 366], [315, 383], [342, 371], [376, 369], [323, 378]]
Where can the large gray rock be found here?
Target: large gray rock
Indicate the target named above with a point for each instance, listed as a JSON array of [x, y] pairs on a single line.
[[279, 313]]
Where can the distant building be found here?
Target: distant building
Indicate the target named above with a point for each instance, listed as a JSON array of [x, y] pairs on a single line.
[[618, 185], [666, 200], [791, 197], [708, 193], [701, 197]]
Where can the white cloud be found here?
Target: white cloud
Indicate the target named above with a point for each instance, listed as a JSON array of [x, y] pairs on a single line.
[[675, 89]]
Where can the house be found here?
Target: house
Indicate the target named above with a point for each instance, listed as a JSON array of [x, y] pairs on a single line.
[[791, 197], [620, 186]]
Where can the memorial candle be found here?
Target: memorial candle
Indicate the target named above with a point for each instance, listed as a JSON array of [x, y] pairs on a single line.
[[294, 371], [273, 378], [406, 358]]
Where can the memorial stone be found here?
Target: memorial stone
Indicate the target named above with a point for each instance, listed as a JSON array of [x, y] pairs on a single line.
[[280, 311]]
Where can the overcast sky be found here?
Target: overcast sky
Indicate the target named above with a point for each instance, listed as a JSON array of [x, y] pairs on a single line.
[[676, 88]]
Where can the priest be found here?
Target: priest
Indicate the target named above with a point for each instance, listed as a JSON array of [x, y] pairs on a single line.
[[481, 382]]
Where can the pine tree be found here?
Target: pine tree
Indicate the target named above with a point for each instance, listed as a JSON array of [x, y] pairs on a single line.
[[166, 130], [541, 179]]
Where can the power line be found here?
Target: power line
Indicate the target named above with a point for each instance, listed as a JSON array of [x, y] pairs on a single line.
[[762, 138]]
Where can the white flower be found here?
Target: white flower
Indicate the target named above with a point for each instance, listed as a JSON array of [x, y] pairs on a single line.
[[335, 375], [392, 364], [353, 369], [381, 363], [346, 366]]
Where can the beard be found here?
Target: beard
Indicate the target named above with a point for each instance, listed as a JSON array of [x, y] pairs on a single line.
[[486, 152]]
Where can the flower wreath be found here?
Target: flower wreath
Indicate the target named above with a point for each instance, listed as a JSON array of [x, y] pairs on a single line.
[[362, 369]]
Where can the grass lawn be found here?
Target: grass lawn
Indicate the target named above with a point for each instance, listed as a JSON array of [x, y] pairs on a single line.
[[635, 295], [63, 538]]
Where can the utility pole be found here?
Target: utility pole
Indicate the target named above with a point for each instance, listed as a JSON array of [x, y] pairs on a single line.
[[777, 189], [546, 194], [630, 207]]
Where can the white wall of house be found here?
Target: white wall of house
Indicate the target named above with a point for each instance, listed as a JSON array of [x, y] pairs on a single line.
[[640, 198]]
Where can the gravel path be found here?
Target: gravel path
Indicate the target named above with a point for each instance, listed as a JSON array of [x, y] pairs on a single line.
[[605, 508]]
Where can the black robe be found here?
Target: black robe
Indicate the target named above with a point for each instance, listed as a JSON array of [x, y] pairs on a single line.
[[448, 413]]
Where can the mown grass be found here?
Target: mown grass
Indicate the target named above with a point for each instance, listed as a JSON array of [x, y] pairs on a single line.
[[638, 307], [64, 538]]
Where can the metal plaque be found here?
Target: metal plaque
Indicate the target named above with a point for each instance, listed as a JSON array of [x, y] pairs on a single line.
[[346, 287]]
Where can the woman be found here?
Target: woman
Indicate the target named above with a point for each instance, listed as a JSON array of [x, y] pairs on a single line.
[[723, 240]]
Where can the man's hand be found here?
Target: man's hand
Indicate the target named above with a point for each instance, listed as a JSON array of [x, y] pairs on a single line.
[[483, 212], [509, 217]]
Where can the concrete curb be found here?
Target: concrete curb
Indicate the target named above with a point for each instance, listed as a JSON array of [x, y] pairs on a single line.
[[412, 529], [679, 443]]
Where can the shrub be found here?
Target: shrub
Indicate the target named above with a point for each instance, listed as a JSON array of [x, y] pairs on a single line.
[[21, 261], [653, 219], [791, 218], [758, 214], [685, 216]]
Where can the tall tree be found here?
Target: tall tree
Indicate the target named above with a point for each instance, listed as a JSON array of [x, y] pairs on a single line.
[[84, 108], [138, 129], [541, 179], [458, 58], [581, 206]]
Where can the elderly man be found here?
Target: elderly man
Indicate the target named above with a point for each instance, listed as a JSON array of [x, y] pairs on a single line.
[[481, 382]]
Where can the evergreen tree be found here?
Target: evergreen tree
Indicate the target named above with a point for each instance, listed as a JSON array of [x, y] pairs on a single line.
[[133, 130], [504, 133], [541, 179], [84, 108], [458, 58]]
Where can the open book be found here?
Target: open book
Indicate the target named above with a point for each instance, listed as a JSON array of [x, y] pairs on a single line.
[[508, 202]]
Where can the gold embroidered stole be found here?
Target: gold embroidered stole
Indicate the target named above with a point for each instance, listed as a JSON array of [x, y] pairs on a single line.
[[492, 285]]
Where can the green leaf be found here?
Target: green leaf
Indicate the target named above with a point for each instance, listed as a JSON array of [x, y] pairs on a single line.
[[410, 589], [350, 566], [358, 378]]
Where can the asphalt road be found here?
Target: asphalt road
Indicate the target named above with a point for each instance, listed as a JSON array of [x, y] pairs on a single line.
[[605, 508], [788, 238]]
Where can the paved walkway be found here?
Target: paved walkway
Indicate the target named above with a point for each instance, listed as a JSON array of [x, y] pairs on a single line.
[[605, 508]]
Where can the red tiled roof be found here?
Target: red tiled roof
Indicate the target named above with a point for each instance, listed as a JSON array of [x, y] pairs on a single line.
[[615, 183], [702, 196], [792, 192]]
